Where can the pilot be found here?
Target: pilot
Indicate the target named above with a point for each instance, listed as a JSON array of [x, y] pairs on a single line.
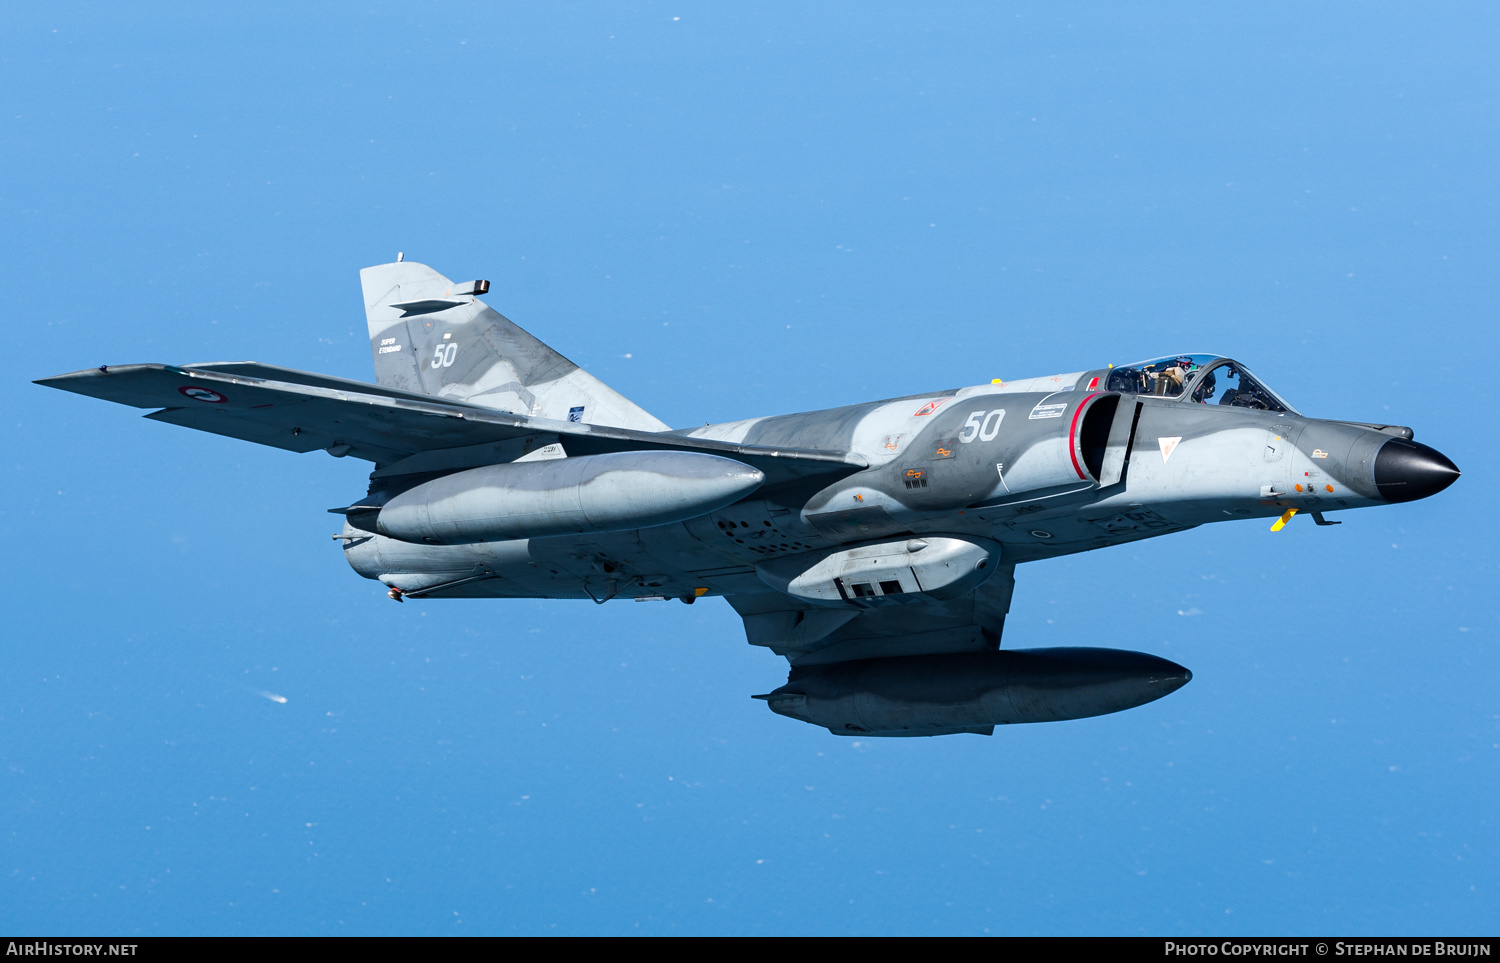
[[1206, 389]]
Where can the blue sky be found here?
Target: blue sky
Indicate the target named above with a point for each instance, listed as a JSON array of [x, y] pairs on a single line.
[[726, 211]]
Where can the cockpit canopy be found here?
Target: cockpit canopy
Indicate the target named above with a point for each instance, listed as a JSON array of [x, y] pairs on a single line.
[[1204, 378]]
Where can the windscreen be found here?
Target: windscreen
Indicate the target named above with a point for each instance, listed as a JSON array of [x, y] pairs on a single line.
[[1228, 383]]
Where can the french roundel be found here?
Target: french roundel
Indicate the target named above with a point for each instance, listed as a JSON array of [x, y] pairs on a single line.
[[202, 394]]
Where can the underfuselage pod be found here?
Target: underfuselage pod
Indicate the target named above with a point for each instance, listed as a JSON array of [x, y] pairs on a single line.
[[928, 695]]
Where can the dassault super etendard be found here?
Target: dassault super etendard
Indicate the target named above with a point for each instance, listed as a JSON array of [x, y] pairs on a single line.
[[874, 546]]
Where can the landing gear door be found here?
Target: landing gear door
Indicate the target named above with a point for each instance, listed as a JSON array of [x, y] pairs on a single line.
[[1117, 448]]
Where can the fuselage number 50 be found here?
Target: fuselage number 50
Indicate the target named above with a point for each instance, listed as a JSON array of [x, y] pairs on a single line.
[[443, 355], [982, 426]]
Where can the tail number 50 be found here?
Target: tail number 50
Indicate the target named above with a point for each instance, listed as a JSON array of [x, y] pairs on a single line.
[[982, 426]]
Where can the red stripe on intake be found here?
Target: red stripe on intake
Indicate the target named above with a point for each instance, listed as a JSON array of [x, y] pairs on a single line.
[[1073, 434]]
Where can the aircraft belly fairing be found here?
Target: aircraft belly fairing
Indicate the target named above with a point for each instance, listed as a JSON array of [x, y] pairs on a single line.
[[874, 546]]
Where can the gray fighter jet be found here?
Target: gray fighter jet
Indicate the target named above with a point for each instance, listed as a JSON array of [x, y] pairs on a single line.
[[874, 546]]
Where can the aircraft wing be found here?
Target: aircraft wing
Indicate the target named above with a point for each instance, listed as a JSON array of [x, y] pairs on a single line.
[[812, 635], [300, 411]]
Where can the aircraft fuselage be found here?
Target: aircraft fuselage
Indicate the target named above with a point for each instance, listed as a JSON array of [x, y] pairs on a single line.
[[1042, 473]]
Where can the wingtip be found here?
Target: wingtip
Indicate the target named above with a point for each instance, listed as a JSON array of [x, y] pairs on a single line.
[[60, 380]]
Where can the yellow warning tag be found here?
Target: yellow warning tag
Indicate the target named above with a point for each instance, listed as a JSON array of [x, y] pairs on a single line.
[[1286, 516]]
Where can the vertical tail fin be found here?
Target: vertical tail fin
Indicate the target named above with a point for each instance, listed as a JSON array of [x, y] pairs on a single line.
[[433, 335]]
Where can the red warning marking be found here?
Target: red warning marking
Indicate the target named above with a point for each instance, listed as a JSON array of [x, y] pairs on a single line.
[[1093, 383], [202, 394], [929, 408]]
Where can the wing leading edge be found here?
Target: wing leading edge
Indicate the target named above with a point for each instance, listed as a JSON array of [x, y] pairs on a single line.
[[300, 411]]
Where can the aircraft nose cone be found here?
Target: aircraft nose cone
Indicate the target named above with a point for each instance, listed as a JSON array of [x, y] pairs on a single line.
[[1172, 677], [1406, 471]]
